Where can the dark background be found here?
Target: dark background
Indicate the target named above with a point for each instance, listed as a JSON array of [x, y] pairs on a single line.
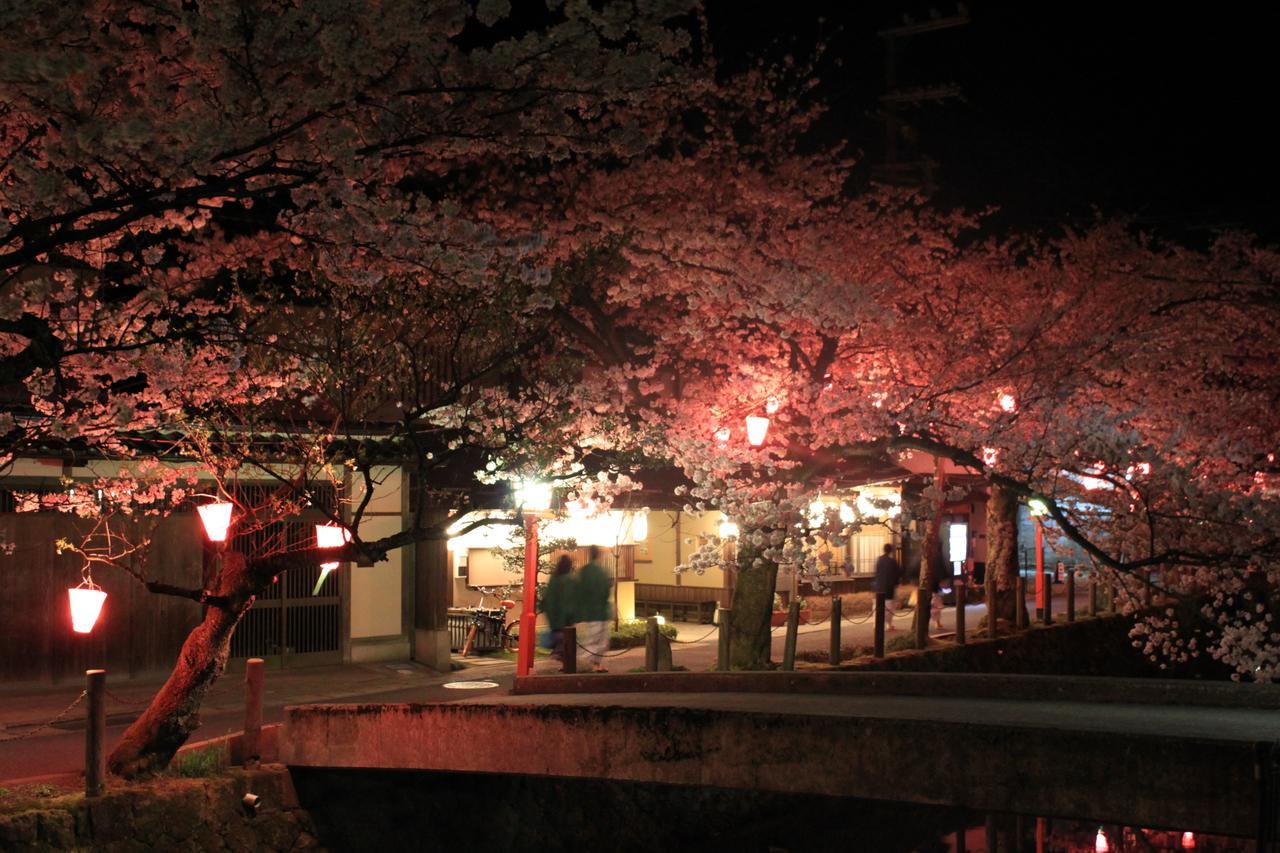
[[1155, 111]]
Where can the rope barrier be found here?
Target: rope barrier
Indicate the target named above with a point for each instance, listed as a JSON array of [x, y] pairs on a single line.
[[49, 724], [606, 654]]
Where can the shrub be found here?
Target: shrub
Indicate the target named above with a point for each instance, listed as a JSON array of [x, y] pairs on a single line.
[[198, 763], [630, 634]]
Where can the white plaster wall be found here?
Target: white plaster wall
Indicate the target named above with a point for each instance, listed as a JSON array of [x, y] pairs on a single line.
[[375, 590]]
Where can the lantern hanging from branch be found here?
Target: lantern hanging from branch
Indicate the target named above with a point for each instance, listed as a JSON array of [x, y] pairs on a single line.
[[216, 518], [329, 536], [86, 604], [757, 429]]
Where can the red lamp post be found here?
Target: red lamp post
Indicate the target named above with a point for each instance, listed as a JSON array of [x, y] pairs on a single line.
[[531, 496]]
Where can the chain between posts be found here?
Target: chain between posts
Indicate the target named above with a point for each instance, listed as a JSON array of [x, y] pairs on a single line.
[[124, 701], [713, 630], [43, 726]]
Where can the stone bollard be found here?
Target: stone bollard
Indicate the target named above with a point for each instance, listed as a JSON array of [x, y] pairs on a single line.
[[722, 660], [664, 653], [1048, 598], [569, 641], [651, 645], [1071, 595], [834, 655], [961, 594], [250, 742], [1020, 608], [95, 733], [793, 628], [879, 626]]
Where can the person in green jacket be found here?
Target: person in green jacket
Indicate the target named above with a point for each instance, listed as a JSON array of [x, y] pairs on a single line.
[[591, 608], [556, 604]]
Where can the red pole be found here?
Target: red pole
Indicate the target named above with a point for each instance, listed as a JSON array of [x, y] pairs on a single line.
[[1040, 591], [529, 604]]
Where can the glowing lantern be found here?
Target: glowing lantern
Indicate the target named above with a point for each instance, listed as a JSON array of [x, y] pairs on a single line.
[[757, 429], [216, 518], [86, 604], [771, 405], [990, 455], [329, 536], [534, 494], [722, 435], [728, 530], [1188, 841], [1100, 843], [640, 526], [1007, 402]]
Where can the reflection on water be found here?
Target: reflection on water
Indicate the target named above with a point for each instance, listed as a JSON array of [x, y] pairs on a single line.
[[1018, 834], [387, 810]]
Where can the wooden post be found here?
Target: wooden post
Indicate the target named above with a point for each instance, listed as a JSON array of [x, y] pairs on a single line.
[[1093, 596], [960, 590], [834, 656], [924, 612], [879, 628], [993, 837], [793, 628], [250, 742], [1020, 611], [651, 645], [722, 660], [569, 639], [993, 627], [95, 733], [1048, 598], [1111, 599], [1071, 595], [960, 840]]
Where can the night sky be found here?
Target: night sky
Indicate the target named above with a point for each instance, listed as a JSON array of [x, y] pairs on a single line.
[[1157, 112]]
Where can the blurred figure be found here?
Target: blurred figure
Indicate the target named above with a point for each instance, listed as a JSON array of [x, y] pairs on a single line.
[[556, 604], [591, 608], [887, 573]]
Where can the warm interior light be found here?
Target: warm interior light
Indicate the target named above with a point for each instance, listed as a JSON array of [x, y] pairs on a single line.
[[1100, 844], [846, 513], [86, 604], [757, 429], [728, 530], [216, 518], [1037, 507], [639, 526], [1188, 841], [533, 494], [662, 620]]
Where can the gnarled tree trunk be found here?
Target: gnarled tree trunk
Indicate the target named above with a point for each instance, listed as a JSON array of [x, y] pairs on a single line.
[[930, 561], [749, 631], [150, 743], [1002, 551]]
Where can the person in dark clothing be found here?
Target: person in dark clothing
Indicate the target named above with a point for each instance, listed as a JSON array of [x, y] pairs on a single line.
[[591, 608], [556, 604], [887, 573]]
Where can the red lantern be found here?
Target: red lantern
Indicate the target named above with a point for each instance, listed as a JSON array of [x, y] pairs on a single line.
[[1188, 841], [1100, 843], [86, 604], [216, 518], [757, 429]]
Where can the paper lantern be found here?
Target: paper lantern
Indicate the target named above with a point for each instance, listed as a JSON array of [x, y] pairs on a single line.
[[534, 494], [757, 429], [1188, 841], [216, 518], [86, 603], [1100, 843], [329, 536]]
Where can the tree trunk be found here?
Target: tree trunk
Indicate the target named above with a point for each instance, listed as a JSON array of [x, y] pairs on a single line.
[[1002, 551], [930, 561], [150, 743], [749, 631]]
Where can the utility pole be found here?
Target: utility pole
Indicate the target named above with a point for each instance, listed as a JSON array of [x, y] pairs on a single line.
[[897, 101]]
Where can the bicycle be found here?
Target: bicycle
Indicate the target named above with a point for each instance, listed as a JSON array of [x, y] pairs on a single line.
[[494, 622]]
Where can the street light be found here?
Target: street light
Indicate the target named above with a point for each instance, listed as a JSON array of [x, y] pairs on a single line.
[[1038, 510], [531, 496]]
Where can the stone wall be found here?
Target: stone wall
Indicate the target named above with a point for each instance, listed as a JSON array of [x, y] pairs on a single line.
[[169, 814]]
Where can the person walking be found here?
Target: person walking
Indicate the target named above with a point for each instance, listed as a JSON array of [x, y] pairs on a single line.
[[556, 605], [591, 608], [887, 573]]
